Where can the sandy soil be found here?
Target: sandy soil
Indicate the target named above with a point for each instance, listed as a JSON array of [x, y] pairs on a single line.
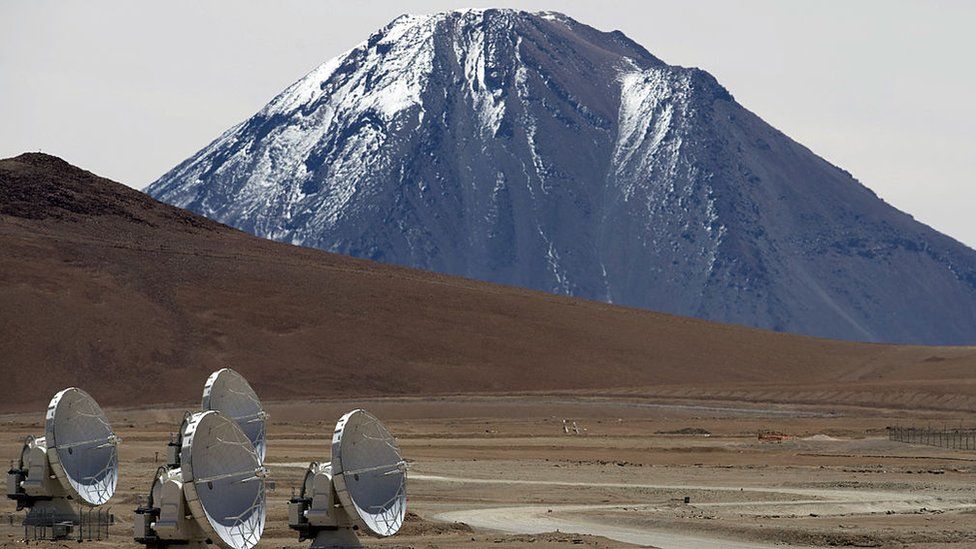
[[499, 472]]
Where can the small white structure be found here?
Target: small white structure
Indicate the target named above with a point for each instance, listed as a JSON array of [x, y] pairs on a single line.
[[75, 462], [364, 487]]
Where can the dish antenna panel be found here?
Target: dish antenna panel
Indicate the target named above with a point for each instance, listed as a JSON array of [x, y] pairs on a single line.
[[364, 487], [75, 462], [216, 494], [228, 392]]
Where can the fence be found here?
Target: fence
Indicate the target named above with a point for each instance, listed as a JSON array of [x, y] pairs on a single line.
[[94, 523], [48, 524], [956, 439]]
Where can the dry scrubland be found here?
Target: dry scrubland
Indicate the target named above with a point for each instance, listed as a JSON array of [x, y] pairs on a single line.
[[503, 463]]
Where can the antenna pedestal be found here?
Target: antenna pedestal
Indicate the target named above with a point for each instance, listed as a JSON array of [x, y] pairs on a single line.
[[340, 538], [318, 516], [53, 519], [167, 520], [48, 512]]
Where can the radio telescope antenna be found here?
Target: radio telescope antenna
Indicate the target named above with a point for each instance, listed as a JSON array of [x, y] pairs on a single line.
[[228, 392], [76, 460], [216, 495], [364, 487]]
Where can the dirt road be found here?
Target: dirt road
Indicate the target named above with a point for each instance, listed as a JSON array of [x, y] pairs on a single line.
[[529, 519]]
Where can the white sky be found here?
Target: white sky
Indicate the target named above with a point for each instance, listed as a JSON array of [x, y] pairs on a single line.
[[127, 90]]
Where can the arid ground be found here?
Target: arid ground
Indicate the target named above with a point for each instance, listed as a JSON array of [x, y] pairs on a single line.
[[499, 471]]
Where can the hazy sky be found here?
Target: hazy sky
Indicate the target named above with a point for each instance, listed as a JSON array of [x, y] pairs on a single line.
[[127, 90]]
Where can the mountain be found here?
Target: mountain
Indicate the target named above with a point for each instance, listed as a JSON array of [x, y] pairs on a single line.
[[532, 150], [137, 302]]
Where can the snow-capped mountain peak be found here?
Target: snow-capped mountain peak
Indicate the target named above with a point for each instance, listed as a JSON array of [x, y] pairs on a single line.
[[530, 149]]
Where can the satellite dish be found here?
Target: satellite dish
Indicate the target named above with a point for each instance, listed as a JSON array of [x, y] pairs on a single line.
[[85, 457], [223, 479], [216, 495], [363, 488], [228, 392], [369, 473], [75, 461]]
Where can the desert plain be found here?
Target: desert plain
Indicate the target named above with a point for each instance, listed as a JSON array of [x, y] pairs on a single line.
[[500, 471]]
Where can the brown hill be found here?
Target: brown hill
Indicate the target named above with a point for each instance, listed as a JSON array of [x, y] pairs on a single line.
[[105, 288]]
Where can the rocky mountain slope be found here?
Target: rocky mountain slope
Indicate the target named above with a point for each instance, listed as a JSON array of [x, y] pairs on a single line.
[[137, 302], [533, 150]]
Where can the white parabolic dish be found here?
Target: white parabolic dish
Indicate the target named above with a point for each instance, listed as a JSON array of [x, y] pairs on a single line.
[[227, 391], [223, 480], [82, 448], [368, 473]]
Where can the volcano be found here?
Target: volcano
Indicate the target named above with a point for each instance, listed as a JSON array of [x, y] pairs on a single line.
[[532, 150]]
